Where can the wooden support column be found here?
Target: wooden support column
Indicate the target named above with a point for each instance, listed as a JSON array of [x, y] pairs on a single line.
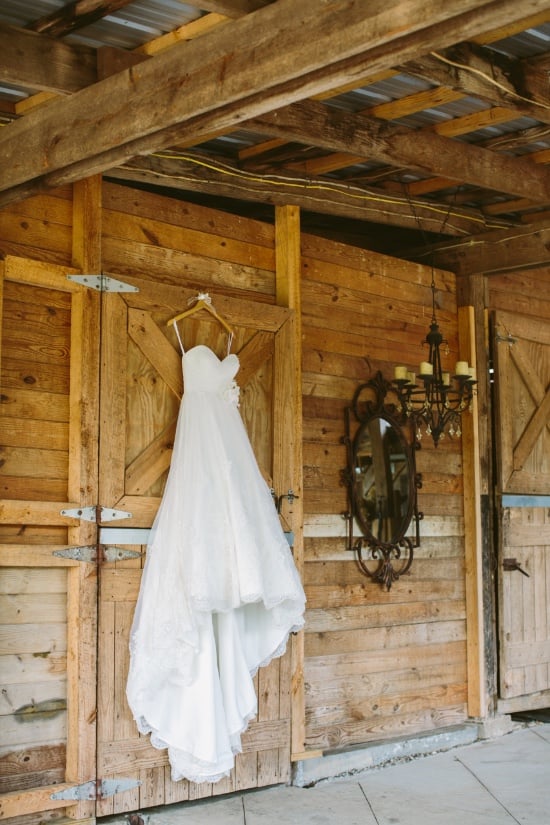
[[83, 488], [477, 700], [289, 463], [472, 290]]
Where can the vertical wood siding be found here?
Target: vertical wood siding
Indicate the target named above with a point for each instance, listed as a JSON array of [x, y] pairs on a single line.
[[377, 664]]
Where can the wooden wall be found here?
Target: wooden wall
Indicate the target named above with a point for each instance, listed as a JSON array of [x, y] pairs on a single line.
[[377, 664]]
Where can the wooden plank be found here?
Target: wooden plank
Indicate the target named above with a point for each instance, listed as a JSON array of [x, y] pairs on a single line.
[[83, 486], [151, 463], [40, 273], [288, 426], [199, 242], [32, 801], [29, 463], [341, 573], [43, 639], [26, 434], [161, 208], [375, 638], [28, 234], [157, 349], [360, 617], [32, 767], [105, 677], [35, 405], [362, 686], [143, 260], [23, 609], [334, 549], [473, 543], [319, 596], [237, 310], [370, 730], [334, 525], [114, 756], [125, 726], [114, 366], [374, 708], [384, 660]]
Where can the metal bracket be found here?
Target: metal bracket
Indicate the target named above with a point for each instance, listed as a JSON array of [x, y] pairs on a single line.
[[89, 553], [506, 339], [513, 564], [96, 789], [97, 513], [509, 500], [102, 283]]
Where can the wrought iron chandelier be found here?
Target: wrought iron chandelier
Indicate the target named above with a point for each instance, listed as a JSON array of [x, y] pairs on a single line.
[[437, 403]]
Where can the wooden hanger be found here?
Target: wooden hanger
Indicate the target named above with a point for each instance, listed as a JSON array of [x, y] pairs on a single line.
[[203, 301]]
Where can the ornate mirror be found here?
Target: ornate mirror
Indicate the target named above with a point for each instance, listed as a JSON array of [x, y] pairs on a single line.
[[382, 483]]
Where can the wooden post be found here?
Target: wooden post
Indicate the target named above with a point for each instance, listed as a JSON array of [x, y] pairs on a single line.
[[289, 464], [477, 699], [83, 488]]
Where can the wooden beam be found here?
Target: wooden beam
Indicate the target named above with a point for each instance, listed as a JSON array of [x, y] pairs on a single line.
[[471, 468], [315, 124], [192, 172], [229, 8], [75, 15], [476, 71], [287, 459], [206, 84], [502, 250], [83, 487], [47, 65]]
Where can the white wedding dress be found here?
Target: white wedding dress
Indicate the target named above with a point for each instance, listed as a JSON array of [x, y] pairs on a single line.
[[219, 594]]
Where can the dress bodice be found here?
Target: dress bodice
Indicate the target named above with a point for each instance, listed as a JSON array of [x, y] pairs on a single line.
[[203, 371]]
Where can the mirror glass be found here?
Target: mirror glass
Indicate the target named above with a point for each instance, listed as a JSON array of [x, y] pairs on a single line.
[[381, 480]]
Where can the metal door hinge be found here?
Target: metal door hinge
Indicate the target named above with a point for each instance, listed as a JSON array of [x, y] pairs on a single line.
[[93, 553], [102, 283], [97, 789], [505, 338], [97, 513]]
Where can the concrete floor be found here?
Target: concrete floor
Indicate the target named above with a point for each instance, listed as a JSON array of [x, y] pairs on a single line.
[[501, 781]]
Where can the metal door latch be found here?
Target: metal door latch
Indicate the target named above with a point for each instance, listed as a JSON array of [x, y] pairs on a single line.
[[513, 564]]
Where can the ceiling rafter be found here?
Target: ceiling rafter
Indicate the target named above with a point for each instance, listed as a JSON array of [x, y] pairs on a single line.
[[229, 8], [75, 15], [491, 252], [190, 171], [311, 122]]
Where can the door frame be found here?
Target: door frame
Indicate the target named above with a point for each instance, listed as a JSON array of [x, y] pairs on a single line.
[[81, 576]]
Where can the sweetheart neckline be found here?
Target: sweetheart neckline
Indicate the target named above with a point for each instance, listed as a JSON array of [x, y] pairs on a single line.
[[204, 346]]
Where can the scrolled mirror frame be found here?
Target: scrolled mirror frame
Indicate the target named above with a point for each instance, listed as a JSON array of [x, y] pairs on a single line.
[[394, 558]]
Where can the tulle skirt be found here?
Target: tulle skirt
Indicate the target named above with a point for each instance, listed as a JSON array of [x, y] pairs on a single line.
[[219, 596]]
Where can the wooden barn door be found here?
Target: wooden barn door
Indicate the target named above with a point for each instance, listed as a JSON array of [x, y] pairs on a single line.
[[522, 382], [48, 458], [141, 388]]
